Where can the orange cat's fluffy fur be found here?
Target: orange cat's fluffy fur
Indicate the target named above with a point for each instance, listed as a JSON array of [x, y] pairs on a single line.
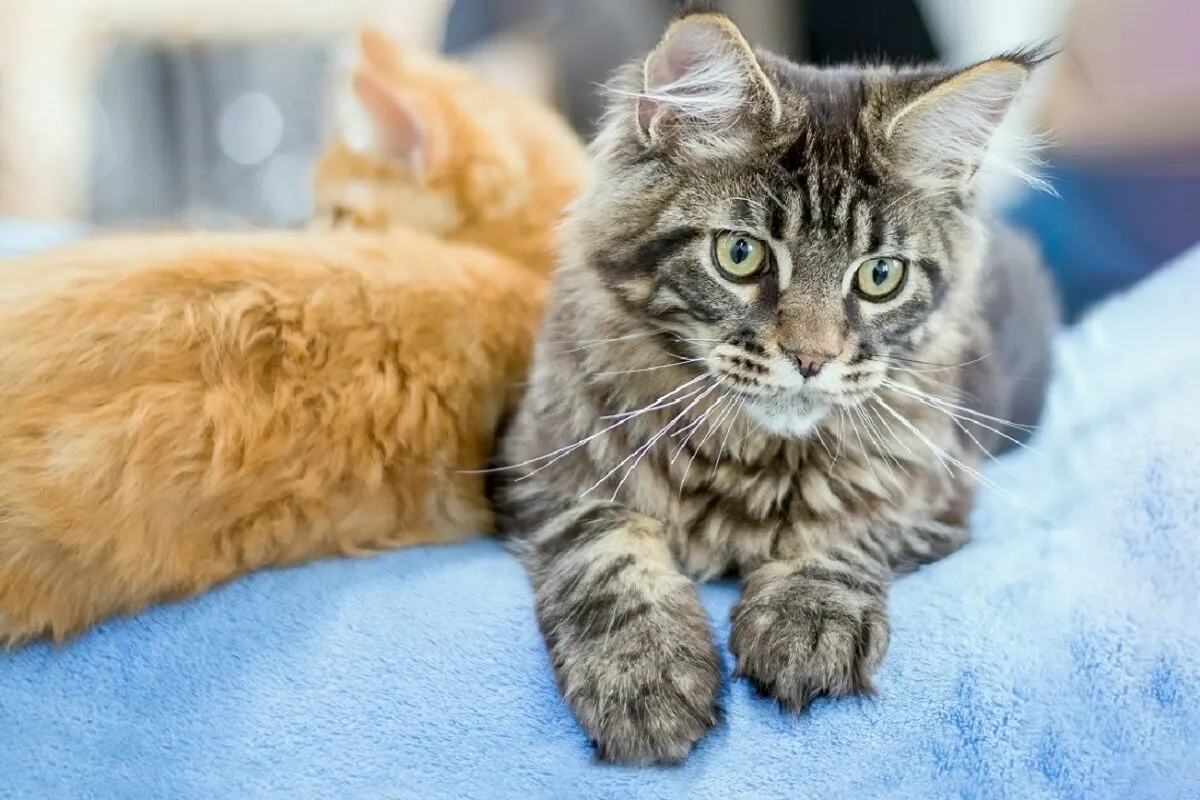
[[177, 410]]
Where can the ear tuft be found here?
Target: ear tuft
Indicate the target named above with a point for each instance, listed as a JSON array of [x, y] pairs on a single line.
[[943, 136], [380, 122], [704, 88]]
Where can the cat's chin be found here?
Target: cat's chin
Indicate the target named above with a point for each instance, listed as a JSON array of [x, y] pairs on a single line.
[[793, 421]]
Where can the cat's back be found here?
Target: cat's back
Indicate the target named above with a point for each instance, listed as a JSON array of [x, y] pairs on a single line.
[[284, 258], [237, 309], [206, 378]]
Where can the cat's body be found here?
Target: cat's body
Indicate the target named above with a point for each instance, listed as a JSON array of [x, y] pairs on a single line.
[[179, 409], [224, 406], [766, 354]]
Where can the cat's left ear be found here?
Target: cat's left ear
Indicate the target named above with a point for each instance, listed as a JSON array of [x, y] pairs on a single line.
[[379, 52], [382, 122], [704, 90], [942, 136]]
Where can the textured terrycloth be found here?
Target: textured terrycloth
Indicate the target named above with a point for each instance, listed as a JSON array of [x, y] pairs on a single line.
[[1058, 656]]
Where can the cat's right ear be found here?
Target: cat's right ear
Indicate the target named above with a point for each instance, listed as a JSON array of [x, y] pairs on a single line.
[[704, 90], [381, 122]]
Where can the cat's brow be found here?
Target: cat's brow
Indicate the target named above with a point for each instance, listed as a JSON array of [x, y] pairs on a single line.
[[747, 213]]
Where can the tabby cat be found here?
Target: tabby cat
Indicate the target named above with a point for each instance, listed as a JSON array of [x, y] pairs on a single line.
[[778, 347], [177, 410]]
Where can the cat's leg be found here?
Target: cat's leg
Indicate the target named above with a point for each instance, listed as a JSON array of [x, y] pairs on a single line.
[[629, 642], [816, 624]]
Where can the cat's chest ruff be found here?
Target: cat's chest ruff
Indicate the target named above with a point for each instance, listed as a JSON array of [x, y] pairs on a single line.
[[736, 504]]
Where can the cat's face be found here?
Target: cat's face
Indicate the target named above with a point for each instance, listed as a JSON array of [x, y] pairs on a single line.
[[396, 150], [798, 232], [424, 144], [796, 313]]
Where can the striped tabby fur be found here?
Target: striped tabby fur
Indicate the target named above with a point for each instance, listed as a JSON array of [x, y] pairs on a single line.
[[681, 425]]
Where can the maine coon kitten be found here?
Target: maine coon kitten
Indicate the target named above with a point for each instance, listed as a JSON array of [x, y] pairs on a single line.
[[775, 349], [177, 410]]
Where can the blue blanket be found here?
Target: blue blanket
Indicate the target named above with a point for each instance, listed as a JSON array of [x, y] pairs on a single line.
[[1058, 656]]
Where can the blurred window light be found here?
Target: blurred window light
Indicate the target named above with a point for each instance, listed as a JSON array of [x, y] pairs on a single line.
[[250, 129]]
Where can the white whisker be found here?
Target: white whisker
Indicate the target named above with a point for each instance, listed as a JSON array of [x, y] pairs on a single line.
[[649, 369], [567, 450], [696, 425], [913, 391], [725, 439], [937, 451], [821, 440], [713, 428], [885, 452], [943, 457], [956, 420], [938, 367], [891, 431], [921, 376], [637, 412], [841, 436], [752, 202], [587, 344], [863, 449], [644, 449], [766, 188]]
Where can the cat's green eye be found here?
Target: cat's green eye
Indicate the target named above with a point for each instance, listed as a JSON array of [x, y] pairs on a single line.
[[878, 279], [739, 255]]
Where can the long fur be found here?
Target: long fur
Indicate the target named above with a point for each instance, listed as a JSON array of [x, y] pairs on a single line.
[[178, 410], [682, 423]]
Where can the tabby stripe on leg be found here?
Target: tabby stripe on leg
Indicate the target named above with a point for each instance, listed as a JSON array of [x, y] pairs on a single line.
[[575, 527], [627, 638]]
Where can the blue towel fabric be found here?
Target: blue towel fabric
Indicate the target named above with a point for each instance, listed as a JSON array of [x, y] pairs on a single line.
[[24, 236], [1057, 656]]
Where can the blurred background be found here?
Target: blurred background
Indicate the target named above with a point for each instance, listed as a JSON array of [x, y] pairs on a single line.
[[208, 113]]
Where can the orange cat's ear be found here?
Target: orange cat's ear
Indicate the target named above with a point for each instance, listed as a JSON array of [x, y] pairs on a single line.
[[384, 123], [379, 52]]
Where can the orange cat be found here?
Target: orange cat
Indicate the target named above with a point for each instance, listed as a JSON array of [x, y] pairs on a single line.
[[508, 164], [177, 410]]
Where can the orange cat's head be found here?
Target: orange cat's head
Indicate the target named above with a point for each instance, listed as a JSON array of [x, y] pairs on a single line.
[[423, 144]]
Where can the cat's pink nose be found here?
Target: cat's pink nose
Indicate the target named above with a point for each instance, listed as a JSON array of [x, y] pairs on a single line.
[[810, 364]]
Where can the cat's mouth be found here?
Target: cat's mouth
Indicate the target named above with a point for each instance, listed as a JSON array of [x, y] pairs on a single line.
[[788, 417], [792, 411]]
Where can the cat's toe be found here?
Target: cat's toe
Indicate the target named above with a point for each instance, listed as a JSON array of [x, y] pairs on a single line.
[[654, 724], [810, 643], [649, 707]]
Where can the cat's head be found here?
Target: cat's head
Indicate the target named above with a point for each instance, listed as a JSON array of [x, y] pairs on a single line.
[[800, 231], [424, 144]]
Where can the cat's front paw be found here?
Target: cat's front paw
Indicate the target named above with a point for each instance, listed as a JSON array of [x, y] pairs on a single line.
[[646, 697], [808, 631]]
